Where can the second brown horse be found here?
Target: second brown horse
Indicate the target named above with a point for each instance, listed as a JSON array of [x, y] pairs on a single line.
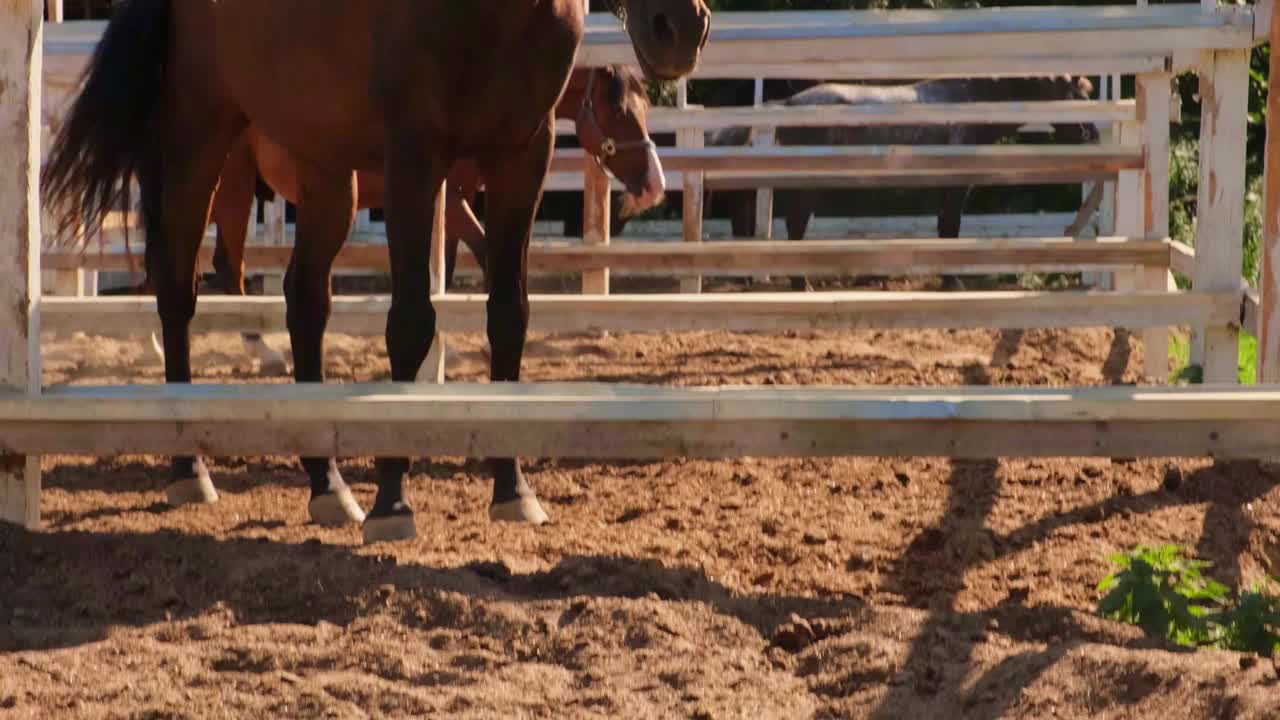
[[608, 105]]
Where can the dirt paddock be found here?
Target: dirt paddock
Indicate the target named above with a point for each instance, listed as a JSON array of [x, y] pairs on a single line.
[[761, 588]]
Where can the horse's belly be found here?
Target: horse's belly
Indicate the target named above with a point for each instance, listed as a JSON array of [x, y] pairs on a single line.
[[313, 103]]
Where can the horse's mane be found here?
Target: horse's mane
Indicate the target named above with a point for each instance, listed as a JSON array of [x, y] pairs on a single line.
[[625, 80]]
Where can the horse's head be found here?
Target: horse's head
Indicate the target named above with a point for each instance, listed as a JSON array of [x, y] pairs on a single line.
[[611, 126], [668, 35], [1055, 87]]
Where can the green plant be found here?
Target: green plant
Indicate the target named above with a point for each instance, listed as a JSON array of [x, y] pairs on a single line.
[[1161, 590], [1184, 372], [1253, 625]]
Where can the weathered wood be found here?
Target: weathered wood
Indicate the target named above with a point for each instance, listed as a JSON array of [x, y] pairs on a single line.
[[616, 421], [1019, 113], [21, 25], [1153, 119], [433, 366], [889, 159], [798, 37], [1269, 287], [1224, 84], [816, 257], [595, 222], [693, 184], [71, 44], [366, 316]]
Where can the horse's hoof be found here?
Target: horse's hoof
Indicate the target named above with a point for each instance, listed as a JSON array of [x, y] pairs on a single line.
[[335, 509], [196, 490], [389, 528], [522, 509]]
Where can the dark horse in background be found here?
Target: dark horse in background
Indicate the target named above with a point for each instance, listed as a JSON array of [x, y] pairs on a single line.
[[402, 87], [609, 106], [798, 206]]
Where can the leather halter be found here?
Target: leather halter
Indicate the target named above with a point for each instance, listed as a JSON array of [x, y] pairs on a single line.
[[608, 146]]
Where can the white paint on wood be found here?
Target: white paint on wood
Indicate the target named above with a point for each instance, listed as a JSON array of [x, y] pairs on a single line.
[[693, 185], [433, 367], [595, 221], [618, 421], [1153, 118], [1268, 331], [21, 25], [366, 316], [779, 116], [1224, 83]]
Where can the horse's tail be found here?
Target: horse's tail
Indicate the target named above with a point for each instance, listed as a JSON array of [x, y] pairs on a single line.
[[106, 138]]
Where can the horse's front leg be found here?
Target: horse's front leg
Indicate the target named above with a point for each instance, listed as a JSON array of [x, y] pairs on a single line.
[[326, 210], [949, 215], [514, 189], [415, 173]]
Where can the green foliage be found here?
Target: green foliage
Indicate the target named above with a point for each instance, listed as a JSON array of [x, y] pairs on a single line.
[[1162, 591], [1253, 625], [1184, 372]]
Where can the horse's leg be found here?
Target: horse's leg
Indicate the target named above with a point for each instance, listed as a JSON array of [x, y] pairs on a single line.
[[231, 207], [461, 225], [414, 176], [513, 192], [326, 211], [949, 215], [195, 143], [798, 208]]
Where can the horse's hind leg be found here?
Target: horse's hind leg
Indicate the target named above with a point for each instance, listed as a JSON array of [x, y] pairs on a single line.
[[326, 210], [231, 207], [514, 189], [196, 137]]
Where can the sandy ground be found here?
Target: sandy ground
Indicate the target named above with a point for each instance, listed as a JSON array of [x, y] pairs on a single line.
[[762, 588]]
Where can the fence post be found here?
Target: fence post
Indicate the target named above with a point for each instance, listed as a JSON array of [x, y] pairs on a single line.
[[432, 370], [763, 137], [274, 235], [1153, 116], [1269, 287], [1224, 86], [595, 221], [694, 187], [21, 41]]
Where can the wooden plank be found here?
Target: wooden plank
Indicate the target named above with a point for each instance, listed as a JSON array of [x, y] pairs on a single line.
[[1153, 118], [1182, 257], [807, 256], [1268, 330], [595, 222], [872, 159], [799, 37], [660, 120], [21, 25], [801, 180], [613, 421], [67, 61], [693, 184], [893, 69], [433, 367], [1224, 83], [762, 136], [360, 315]]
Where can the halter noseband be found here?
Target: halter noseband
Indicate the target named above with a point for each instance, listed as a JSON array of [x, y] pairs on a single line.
[[608, 146]]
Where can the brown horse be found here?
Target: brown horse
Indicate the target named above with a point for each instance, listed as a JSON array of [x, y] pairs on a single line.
[[403, 87], [609, 106]]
